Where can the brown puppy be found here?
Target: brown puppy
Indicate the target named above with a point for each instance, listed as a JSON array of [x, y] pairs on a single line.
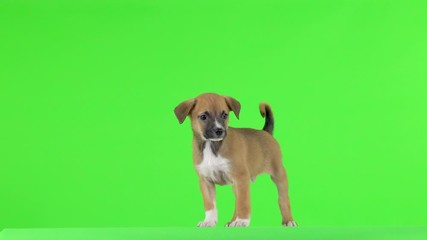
[[225, 155]]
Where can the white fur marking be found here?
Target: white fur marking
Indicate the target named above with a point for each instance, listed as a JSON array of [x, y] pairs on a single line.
[[212, 165], [239, 222], [211, 215], [211, 218], [290, 224], [218, 125]]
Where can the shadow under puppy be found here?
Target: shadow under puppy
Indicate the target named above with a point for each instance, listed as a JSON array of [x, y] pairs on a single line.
[[226, 155]]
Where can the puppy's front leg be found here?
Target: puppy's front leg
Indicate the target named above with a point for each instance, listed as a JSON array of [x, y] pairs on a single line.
[[208, 193], [242, 213]]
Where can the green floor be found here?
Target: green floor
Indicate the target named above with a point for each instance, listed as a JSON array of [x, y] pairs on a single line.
[[309, 233]]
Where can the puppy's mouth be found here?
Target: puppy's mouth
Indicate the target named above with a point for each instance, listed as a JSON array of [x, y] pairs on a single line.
[[215, 139], [214, 135]]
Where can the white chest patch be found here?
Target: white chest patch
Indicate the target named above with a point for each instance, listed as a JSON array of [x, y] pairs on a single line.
[[214, 167]]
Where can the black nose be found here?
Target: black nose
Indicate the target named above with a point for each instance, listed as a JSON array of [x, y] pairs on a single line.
[[219, 131]]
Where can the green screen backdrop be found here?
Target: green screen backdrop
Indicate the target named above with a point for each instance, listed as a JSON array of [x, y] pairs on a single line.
[[88, 137]]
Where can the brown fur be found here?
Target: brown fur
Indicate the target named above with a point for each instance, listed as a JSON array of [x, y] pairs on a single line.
[[250, 152]]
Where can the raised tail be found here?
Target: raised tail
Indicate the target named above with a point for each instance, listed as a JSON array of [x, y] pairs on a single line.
[[266, 113]]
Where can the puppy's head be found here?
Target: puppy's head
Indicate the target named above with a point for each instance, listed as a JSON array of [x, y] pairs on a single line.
[[209, 114]]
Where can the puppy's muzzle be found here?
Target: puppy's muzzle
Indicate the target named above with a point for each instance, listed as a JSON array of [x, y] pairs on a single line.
[[216, 134], [219, 132]]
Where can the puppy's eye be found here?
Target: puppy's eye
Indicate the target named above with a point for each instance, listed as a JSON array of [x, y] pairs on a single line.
[[224, 116], [203, 117]]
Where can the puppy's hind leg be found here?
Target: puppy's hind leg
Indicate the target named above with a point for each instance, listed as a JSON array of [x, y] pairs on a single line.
[[280, 178]]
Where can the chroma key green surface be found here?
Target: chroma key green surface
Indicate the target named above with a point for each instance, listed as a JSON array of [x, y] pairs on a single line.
[[267, 233]]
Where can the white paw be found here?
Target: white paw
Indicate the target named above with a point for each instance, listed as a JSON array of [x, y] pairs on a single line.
[[239, 223], [211, 218], [290, 224], [207, 224]]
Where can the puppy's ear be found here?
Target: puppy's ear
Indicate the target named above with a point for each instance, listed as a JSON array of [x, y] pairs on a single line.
[[183, 109], [234, 105]]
